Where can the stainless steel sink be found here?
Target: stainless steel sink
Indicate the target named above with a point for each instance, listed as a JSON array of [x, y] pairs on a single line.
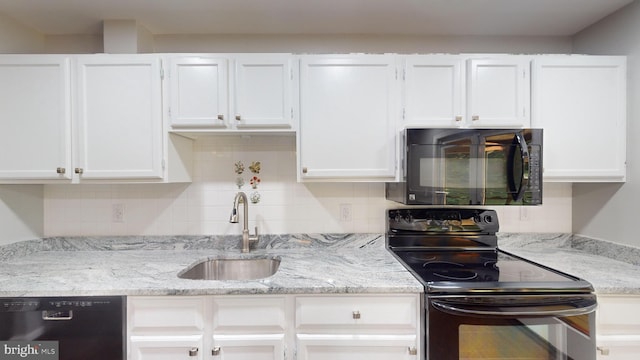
[[231, 269]]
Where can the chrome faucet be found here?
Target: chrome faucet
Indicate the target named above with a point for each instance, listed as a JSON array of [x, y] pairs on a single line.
[[241, 198]]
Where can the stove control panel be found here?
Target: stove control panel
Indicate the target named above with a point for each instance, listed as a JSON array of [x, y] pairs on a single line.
[[477, 221]]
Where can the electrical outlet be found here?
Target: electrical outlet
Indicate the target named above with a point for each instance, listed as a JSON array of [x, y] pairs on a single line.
[[345, 212], [117, 213]]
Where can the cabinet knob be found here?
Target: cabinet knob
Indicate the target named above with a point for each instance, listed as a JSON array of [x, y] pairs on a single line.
[[356, 315], [220, 117], [215, 351], [475, 118], [304, 170], [458, 118], [413, 351], [61, 170], [193, 351], [603, 351], [238, 117], [78, 170]]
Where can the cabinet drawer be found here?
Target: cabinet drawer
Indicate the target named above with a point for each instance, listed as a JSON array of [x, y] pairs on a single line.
[[249, 314], [388, 312], [618, 315], [161, 314]]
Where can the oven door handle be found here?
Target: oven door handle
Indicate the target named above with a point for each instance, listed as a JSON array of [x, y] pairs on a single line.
[[572, 307]]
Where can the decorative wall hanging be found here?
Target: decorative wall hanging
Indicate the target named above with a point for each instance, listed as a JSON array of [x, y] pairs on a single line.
[[255, 167]]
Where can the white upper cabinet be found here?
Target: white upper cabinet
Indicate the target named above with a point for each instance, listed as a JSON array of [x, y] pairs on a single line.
[[119, 117], [348, 119], [222, 92], [498, 91], [580, 102], [434, 91], [458, 91], [198, 87], [35, 108], [263, 92]]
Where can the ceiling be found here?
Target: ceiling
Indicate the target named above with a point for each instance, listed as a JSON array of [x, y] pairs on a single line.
[[400, 17]]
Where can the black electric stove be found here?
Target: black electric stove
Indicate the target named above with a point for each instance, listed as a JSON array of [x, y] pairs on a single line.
[[484, 303], [455, 250]]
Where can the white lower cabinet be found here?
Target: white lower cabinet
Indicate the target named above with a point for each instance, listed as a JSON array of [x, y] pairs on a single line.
[[358, 327], [249, 327], [618, 327], [173, 347], [274, 327]]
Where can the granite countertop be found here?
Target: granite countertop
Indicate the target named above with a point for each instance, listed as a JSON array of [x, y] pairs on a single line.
[[310, 264], [340, 263], [611, 268]]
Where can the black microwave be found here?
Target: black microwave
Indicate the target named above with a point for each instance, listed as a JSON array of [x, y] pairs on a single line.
[[470, 167]]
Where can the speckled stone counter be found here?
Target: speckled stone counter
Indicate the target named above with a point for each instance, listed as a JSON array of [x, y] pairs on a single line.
[[610, 267], [341, 263], [310, 264]]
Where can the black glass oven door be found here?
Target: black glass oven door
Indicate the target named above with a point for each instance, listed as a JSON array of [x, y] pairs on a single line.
[[502, 327]]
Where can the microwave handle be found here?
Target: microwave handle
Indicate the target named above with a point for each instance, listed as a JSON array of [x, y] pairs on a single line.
[[519, 142], [581, 307]]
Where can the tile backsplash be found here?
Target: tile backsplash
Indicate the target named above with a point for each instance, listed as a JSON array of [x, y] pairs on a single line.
[[285, 206]]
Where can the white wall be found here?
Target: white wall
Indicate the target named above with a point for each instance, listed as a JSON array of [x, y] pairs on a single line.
[[76, 44], [21, 213], [361, 44], [609, 211], [17, 38], [204, 206]]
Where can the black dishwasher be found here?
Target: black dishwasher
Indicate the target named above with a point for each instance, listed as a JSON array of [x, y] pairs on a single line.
[[74, 328]]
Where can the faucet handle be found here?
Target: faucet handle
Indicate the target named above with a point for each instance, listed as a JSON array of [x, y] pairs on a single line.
[[255, 237]]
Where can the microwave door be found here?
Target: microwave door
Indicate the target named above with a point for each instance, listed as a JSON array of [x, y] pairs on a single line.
[[458, 170], [505, 173]]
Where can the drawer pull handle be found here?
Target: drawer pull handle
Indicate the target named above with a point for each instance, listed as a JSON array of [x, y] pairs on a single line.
[[413, 351], [356, 315], [193, 351], [238, 117], [61, 170], [79, 171], [603, 351], [220, 117], [458, 118], [215, 351], [475, 118]]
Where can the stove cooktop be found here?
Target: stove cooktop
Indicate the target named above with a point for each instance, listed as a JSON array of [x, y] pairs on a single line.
[[485, 271], [456, 251]]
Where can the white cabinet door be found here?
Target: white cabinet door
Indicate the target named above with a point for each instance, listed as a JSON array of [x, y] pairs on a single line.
[[498, 91], [348, 118], [249, 327], [263, 92], [254, 347], [35, 108], [119, 117], [166, 348], [356, 347], [580, 102], [166, 327], [434, 91], [618, 327], [367, 327], [199, 91]]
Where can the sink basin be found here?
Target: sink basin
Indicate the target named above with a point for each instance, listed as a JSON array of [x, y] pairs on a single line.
[[231, 269]]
